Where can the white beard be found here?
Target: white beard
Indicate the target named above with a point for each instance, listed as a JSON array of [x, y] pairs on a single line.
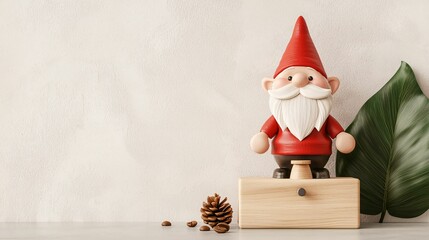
[[300, 113]]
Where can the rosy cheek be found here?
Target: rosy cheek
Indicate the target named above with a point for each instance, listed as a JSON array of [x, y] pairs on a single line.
[[320, 83], [280, 82]]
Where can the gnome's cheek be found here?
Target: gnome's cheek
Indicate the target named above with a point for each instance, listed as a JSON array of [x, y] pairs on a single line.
[[320, 82], [280, 82]]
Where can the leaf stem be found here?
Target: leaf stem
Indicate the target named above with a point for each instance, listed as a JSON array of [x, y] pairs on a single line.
[[382, 216]]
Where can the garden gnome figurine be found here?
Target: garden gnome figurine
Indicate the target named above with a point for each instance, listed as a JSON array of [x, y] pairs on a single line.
[[300, 103]]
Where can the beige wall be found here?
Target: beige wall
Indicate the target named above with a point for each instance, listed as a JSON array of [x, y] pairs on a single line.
[[136, 110]]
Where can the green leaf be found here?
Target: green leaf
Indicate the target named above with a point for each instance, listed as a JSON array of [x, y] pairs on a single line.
[[391, 157]]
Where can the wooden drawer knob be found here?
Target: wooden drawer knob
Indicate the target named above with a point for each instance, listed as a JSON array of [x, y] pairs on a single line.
[[301, 192]]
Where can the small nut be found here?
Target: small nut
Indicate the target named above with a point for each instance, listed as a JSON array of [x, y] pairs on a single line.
[[204, 228], [192, 223], [221, 228], [166, 223]]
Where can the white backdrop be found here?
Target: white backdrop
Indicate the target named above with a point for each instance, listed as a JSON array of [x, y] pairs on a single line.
[[137, 110]]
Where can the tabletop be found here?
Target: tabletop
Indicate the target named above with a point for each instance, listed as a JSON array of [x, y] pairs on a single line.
[[179, 231]]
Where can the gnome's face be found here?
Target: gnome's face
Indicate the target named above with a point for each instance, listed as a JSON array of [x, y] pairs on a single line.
[[300, 99], [300, 77]]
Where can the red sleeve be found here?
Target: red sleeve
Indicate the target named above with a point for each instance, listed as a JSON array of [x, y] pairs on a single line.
[[270, 127], [333, 127]]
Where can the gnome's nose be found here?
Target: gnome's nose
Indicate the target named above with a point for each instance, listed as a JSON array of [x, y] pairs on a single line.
[[299, 80]]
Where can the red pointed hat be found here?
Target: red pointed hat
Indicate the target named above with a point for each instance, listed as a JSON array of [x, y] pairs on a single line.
[[301, 50]]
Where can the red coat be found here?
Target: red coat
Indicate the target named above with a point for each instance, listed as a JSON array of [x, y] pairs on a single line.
[[317, 143]]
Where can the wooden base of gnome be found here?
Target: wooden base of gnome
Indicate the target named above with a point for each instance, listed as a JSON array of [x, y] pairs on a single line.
[[299, 203], [301, 127]]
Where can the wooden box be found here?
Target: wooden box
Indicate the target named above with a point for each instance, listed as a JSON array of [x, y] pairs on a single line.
[[276, 203]]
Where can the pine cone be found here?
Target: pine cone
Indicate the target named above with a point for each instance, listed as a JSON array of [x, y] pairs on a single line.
[[215, 211]]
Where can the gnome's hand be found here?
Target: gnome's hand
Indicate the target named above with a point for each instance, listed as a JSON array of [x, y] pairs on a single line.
[[260, 143], [345, 142]]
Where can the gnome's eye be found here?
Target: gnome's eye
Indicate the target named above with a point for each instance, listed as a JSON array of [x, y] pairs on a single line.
[[289, 78], [310, 78]]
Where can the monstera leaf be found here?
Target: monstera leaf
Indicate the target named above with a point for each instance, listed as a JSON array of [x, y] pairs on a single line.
[[391, 157]]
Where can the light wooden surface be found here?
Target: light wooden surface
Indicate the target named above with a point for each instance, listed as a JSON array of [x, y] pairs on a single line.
[[179, 231], [275, 203]]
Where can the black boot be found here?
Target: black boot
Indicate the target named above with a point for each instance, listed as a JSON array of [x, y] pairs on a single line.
[[320, 173], [281, 173]]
